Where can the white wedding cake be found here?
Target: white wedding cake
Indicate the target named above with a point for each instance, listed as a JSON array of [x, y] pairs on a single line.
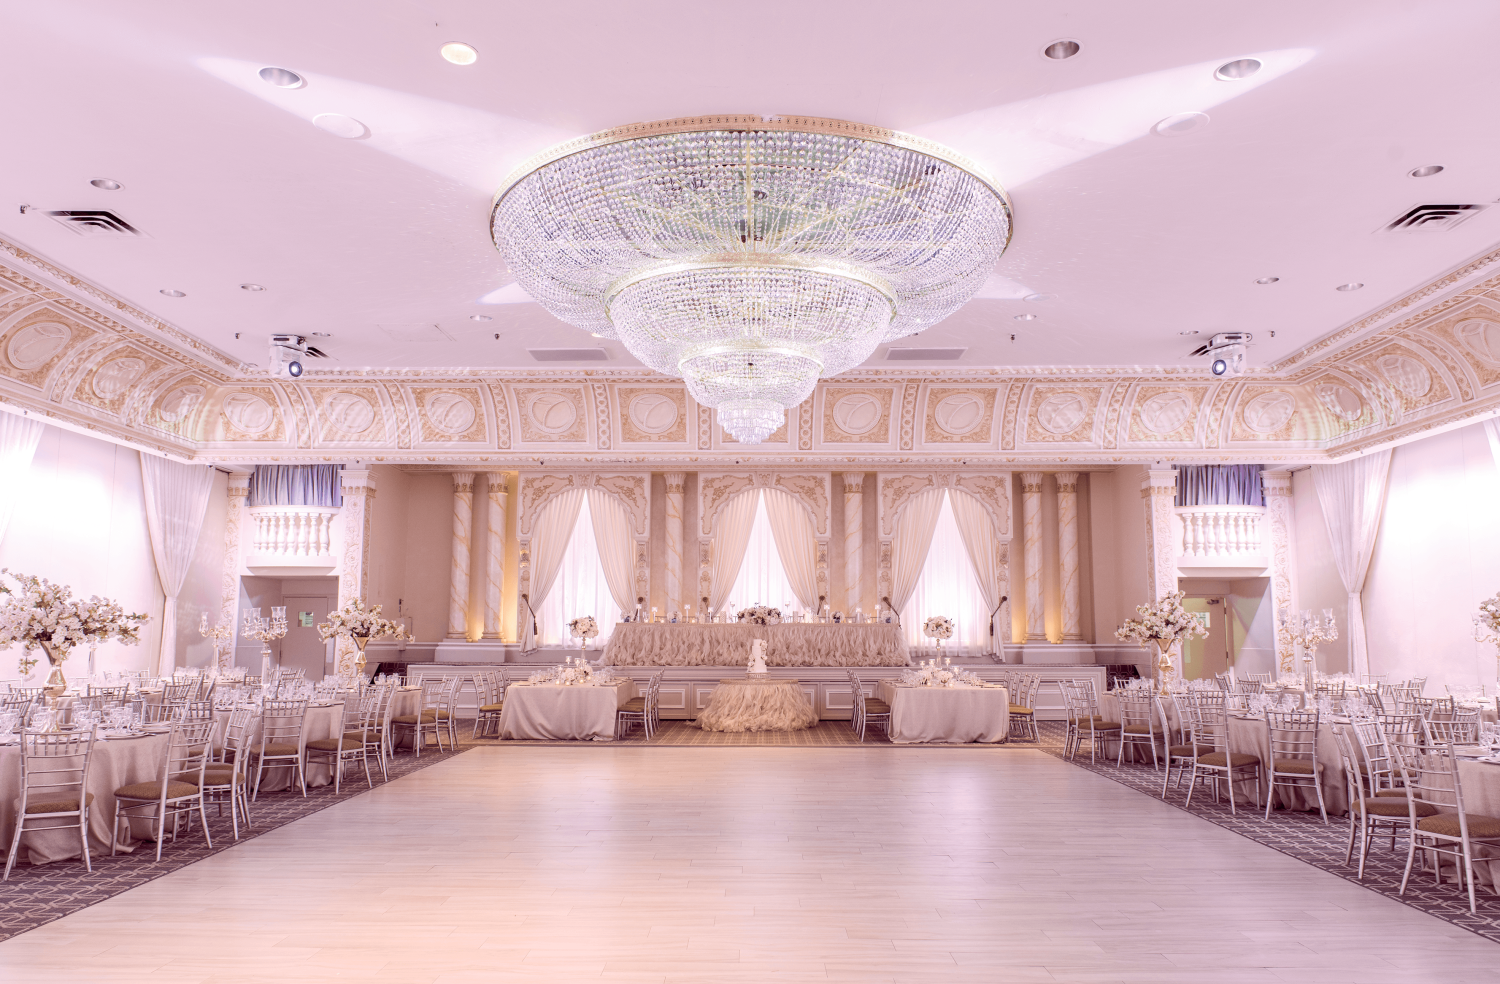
[[757, 656]]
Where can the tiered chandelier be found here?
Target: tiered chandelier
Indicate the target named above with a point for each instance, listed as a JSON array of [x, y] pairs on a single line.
[[750, 255]]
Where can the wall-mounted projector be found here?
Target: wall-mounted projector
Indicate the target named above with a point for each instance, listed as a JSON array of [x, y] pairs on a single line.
[[289, 352], [1227, 349]]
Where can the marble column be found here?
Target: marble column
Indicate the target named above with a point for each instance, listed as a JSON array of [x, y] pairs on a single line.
[[673, 573], [1067, 541], [234, 520], [1031, 517], [854, 538], [463, 524], [1279, 541], [494, 581], [358, 488], [1160, 494]]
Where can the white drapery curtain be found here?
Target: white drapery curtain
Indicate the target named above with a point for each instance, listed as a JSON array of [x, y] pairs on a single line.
[[731, 536], [1491, 430], [762, 577], [581, 586], [796, 545], [1352, 494], [18, 440], [176, 502], [947, 586], [978, 534], [913, 537], [549, 542], [616, 549]]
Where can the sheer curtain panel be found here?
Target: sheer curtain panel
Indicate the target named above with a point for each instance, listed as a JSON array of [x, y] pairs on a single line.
[[913, 537], [549, 542], [796, 543], [616, 550], [176, 502], [18, 440], [762, 577], [978, 534], [581, 586], [727, 548], [1352, 494], [947, 586]]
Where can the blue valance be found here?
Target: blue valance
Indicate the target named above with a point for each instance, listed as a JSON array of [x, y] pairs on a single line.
[[296, 485], [1219, 485]]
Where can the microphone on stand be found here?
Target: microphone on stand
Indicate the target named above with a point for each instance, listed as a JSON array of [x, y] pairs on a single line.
[[998, 653], [892, 608]]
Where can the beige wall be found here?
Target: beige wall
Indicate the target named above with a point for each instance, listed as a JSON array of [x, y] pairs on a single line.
[[1117, 540]]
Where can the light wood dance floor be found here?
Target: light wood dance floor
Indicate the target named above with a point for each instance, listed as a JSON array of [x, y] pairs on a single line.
[[749, 865]]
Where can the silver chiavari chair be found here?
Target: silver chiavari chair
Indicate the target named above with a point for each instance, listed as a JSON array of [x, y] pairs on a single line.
[[1431, 779], [1209, 725], [177, 789], [1292, 743], [54, 794], [281, 724]]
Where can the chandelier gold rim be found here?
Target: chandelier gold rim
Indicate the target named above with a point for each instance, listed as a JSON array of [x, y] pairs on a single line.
[[732, 123], [751, 261]]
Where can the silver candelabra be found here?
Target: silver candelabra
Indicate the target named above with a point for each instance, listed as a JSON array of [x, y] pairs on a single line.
[[264, 631]]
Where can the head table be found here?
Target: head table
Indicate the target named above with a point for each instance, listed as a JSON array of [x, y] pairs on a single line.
[[787, 644]]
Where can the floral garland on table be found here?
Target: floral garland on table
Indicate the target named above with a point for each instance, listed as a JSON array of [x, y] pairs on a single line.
[[574, 673], [932, 675], [760, 615], [938, 627], [584, 627], [44, 615]]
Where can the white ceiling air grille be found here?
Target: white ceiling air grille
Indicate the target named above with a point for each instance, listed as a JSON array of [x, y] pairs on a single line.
[[1432, 218], [924, 354], [96, 223], [570, 355]]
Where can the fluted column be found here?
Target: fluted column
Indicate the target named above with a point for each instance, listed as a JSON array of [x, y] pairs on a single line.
[[1278, 538], [1067, 541], [463, 524], [239, 491], [854, 538], [674, 482], [1031, 516], [494, 581], [358, 487]]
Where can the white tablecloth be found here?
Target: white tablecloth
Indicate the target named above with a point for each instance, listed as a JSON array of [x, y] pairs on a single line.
[[320, 722], [548, 711], [946, 714], [750, 704]]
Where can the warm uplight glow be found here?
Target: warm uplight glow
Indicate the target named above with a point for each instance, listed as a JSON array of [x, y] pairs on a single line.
[[459, 53]]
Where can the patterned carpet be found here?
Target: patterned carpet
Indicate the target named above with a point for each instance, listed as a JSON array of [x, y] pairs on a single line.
[[37, 895], [678, 734], [1305, 837]]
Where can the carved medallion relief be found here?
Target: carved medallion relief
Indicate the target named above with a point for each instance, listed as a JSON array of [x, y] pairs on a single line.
[[859, 416], [552, 414], [38, 344], [959, 416], [1062, 413], [1166, 413], [450, 414], [655, 414]]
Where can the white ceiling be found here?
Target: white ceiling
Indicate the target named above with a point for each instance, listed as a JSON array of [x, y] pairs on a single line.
[[1139, 237]]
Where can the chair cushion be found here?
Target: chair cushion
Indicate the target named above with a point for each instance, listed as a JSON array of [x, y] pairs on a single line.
[[336, 745], [876, 706], [1018, 710], [372, 736], [493, 708], [278, 749], [152, 790], [1302, 767], [65, 806], [1099, 723], [221, 776], [635, 705], [1187, 751], [1446, 824], [1385, 806], [1137, 729], [427, 718], [1236, 759]]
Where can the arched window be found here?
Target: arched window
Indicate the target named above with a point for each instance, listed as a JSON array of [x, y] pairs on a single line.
[[580, 589], [948, 586]]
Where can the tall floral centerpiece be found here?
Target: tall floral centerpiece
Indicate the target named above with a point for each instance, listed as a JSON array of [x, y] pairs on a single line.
[[41, 615], [1487, 626], [355, 621], [939, 627], [583, 629], [1165, 625]]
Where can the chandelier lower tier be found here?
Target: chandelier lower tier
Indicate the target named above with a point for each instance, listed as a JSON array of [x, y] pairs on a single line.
[[750, 256]]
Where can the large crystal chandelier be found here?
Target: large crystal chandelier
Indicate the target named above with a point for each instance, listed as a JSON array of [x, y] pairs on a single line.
[[749, 255]]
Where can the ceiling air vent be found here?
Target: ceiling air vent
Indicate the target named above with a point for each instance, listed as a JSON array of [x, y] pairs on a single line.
[[924, 354], [96, 223], [570, 355], [1432, 218]]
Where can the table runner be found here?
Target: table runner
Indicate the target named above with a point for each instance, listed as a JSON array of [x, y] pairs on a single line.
[[787, 644], [955, 715]]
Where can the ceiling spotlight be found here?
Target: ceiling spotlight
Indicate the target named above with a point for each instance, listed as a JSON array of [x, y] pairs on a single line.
[[1180, 123], [281, 78], [110, 184], [1192, 332], [1039, 297], [172, 293], [1025, 317], [1425, 171], [1058, 50], [1268, 280], [459, 53], [1348, 287], [321, 334], [251, 287], [480, 317], [1240, 68]]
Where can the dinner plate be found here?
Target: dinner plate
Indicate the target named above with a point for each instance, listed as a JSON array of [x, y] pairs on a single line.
[[137, 734], [156, 729]]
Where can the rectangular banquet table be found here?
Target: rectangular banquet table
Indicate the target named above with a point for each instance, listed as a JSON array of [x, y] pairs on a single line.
[[553, 712], [787, 644], [946, 714]]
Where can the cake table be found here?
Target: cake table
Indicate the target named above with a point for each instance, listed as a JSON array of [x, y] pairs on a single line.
[[757, 703]]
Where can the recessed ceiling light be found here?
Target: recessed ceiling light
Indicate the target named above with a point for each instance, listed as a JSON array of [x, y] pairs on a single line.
[[281, 78], [251, 287], [340, 125], [1348, 287], [110, 184], [1025, 317], [1040, 297], [1240, 68], [480, 317], [1179, 124], [459, 53], [172, 293], [1268, 280], [1192, 332], [1058, 50], [1426, 171], [321, 334]]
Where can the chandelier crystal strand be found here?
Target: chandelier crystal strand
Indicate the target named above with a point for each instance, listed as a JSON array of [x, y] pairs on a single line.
[[750, 256]]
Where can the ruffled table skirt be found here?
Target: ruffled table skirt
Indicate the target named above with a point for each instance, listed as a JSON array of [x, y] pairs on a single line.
[[758, 705], [788, 644]]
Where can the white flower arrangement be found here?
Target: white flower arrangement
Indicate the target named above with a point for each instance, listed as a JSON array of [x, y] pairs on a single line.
[[932, 675], [1489, 614], [574, 673], [40, 614], [760, 615], [584, 627], [1164, 623], [358, 622], [938, 627]]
